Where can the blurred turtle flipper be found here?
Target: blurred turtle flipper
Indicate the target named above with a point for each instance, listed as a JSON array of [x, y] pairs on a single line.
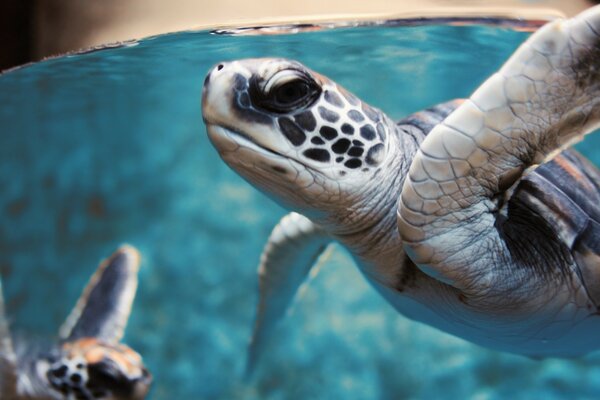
[[104, 306]]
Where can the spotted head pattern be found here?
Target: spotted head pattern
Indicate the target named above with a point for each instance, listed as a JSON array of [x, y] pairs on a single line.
[[292, 132], [89, 369], [337, 128], [325, 123]]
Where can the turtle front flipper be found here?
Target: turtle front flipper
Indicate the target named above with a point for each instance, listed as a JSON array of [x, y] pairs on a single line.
[[104, 307], [8, 358], [291, 251], [544, 98]]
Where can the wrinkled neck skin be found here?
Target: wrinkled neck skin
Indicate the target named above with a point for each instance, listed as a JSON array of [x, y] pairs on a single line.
[[366, 225]]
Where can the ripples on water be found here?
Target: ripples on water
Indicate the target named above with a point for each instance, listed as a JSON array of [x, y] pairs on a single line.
[[109, 147]]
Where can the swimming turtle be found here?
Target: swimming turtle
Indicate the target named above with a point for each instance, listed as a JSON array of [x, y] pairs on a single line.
[[472, 216], [87, 362]]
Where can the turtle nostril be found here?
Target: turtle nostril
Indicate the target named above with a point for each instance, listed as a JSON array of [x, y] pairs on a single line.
[[219, 67]]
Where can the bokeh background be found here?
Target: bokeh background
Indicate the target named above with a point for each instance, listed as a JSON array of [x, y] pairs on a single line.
[[108, 147]]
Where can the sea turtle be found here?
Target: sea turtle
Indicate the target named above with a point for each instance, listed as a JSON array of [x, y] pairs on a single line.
[[471, 216], [87, 362]]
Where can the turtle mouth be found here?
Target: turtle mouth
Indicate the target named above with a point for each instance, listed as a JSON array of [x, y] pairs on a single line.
[[220, 133], [240, 139]]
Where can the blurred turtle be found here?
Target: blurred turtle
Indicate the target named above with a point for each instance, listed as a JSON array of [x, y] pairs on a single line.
[[87, 362], [471, 216]]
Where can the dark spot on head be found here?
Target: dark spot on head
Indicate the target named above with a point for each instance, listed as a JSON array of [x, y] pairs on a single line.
[[317, 154], [381, 131], [348, 129], [333, 98], [60, 371], [79, 366], [76, 378], [239, 82], [353, 163], [328, 115], [342, 173], [339, 159], [371, 113], [328, 132], [219, 67], [367, 132], [291, 131], [375, 154], [244, 100], [348, 96], [252, 115], [317, 140], [341, 146], [357, 143], [356, 116], [279, 169], [364, 169], [306, 121], [356, 151]]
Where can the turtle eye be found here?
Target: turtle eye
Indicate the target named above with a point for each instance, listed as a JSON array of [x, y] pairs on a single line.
[[286, 91], [291, 92]]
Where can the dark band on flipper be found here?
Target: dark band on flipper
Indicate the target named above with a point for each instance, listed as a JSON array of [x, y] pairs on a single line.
[[103, 308]]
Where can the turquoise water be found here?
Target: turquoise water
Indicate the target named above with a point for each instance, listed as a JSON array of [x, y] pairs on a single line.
[[108, 147]]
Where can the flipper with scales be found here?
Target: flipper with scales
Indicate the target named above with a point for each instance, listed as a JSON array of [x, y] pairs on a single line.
[[546, 97]]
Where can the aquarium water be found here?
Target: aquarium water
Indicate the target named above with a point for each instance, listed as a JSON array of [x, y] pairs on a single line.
[[108, 147]]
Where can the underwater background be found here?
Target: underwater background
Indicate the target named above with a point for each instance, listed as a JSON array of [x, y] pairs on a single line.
[[107, 147]]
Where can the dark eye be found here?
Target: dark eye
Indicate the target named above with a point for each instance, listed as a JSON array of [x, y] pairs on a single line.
[[291, 92]]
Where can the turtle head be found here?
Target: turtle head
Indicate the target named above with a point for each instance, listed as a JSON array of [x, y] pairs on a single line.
[[293, 133], [91, 369]]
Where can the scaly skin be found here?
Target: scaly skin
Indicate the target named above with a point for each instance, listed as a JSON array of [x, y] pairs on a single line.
[[461, 210], [545, 97]]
